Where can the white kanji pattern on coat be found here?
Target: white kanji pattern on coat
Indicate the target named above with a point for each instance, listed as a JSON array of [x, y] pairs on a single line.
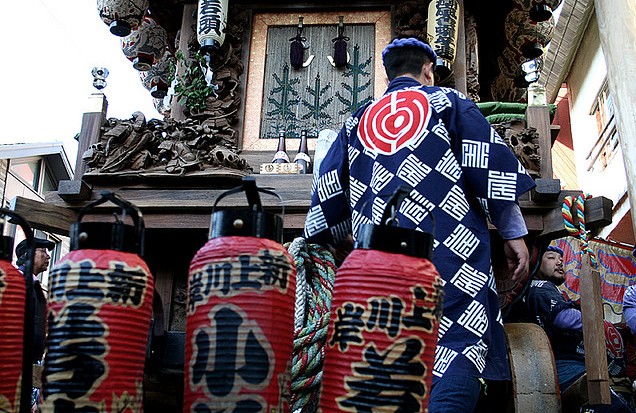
[[462, 242], [469, 280], [474, 319], [455, 203], [381, 178], [444, 356], [439, 101], [449, 167], [316, 221], [502, 185], [356, 190], [413, 171], [475, 154], [329, 186], [440, 130], [477, 354]]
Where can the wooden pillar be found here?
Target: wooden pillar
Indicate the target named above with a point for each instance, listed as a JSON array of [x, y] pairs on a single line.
[[617, 29], [92, 122], [538, 117], [459, 65], [593, 334], [188, 21]]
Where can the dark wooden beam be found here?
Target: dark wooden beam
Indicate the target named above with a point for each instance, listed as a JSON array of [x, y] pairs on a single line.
[[44, 216], [74, 190], [598, 213], [547, 189]]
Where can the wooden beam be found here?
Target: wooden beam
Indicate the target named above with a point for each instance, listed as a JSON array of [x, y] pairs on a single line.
[[593, 334], [74, 190], [295, 190], [598, 213], [92, 122], [43, 216], [547, 189]]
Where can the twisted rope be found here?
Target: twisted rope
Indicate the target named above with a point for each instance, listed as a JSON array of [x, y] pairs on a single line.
[[316, 273], [578, 204]]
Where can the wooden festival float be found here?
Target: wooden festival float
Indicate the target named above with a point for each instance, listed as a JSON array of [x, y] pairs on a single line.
[[278, 70]]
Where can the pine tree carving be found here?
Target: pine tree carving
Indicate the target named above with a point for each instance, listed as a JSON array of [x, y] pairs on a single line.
[[316, 108], [355, 70], [288, 99]]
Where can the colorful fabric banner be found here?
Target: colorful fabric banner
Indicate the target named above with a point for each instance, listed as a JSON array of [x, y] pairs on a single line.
[[616, 266]]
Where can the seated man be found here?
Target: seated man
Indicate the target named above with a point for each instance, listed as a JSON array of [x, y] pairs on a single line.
[[629, 308], [561, 319]]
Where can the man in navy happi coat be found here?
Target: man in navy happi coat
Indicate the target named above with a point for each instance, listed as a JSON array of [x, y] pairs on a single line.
[[435, 141]]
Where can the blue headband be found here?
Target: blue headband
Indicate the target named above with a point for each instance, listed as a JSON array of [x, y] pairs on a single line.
[[555, 249], [413, 42]]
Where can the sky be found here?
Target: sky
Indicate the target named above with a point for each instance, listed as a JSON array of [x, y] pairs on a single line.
[[49, 50]]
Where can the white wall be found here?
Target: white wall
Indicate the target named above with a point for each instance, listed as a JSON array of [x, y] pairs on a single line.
[[585, 80]]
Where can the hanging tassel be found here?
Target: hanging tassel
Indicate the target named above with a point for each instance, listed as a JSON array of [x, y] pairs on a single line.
[[340, 46], [297, 49], [297, 52]]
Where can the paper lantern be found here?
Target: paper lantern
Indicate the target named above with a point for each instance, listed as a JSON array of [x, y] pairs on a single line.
[[385, 313], [442, 28], [122, 16], [211, 23], [100, 307], [538, 10], [16, 318], [240, 313], [145, 46], [527, 36], [157, 79]]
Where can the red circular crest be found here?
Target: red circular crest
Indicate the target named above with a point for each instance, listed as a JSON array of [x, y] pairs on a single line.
[[390, 123]]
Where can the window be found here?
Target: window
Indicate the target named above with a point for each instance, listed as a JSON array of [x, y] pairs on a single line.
[[28, 170], [606, 145]]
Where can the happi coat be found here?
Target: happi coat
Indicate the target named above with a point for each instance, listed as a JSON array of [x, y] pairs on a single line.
[[435, 141]]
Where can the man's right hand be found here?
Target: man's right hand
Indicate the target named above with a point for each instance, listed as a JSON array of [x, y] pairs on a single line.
[[518, 258]]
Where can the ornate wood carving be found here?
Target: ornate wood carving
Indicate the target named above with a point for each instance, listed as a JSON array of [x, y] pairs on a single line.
[[472, 58], [205, 139], [523, 143], [410, 19], [222, 109], [173, 146]]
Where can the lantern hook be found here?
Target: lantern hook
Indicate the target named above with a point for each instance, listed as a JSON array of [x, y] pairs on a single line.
[[390, 237], [400, 194], [118, 239], [254, 221], [251, 192]]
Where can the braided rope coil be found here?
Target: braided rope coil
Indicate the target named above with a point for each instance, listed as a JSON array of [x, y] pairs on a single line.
[[316, 274], [577, 204]]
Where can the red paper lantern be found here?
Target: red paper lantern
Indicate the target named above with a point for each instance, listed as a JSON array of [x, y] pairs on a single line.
[[12, 301], [100, 306], [383, 328], [15, 346], [240, 311]]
